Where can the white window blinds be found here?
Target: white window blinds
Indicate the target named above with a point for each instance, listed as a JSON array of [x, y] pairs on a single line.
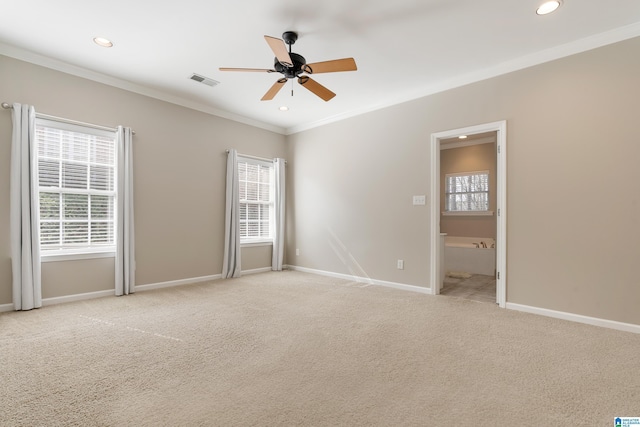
[[256, 200], [467, 192], [76, 172]]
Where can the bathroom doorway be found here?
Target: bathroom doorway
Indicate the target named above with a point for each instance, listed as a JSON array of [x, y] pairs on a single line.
[[468, 168], [468, 223]]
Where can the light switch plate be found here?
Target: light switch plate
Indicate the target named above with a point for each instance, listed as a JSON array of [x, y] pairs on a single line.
[[419, 200]]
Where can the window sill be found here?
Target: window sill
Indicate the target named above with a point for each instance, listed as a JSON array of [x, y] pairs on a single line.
[[70, 256], [256, 243], [468, 213]]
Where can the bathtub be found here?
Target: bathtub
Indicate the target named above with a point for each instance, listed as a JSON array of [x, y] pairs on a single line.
[[469, 255]]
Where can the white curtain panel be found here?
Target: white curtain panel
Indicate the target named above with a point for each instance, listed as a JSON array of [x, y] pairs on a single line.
[[280, 207], [125, 237], [231, 262], [24, 211]]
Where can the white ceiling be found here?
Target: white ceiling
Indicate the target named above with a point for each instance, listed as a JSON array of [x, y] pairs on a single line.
[[404, 49]]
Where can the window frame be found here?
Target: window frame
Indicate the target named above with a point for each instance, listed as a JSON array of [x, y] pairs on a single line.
[[60, 252], [258, 241], [483, 212]]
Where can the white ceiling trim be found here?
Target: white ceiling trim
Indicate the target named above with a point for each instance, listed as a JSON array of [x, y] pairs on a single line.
[[578, 46], [557, 52], [54, 64]]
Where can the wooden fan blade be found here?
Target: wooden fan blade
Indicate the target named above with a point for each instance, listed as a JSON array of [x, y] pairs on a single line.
[[316, 88], [271, 93], [280, 50], [251, 70], [345, 64]]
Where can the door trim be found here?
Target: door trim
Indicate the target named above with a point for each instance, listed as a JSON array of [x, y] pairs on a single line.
[[500, 128]]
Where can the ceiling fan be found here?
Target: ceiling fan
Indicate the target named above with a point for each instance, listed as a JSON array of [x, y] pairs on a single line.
[[291, 65]]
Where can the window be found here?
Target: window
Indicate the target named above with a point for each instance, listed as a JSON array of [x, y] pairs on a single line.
[[256, 200], [77, 188], [467, 192]]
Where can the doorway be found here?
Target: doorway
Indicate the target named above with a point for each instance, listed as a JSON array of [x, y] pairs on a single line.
[[437, 240]]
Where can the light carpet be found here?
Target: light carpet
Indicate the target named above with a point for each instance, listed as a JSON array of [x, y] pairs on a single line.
[[298, 349]]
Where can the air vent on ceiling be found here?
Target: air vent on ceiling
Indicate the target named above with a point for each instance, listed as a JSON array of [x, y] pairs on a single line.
[[204, 80]]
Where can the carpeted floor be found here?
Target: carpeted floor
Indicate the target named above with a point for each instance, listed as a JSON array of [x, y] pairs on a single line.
[[298, 349]]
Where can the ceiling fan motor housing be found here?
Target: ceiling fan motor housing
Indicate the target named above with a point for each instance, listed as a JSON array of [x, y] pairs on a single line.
[[291, 66], [289, 37], [291, 72]]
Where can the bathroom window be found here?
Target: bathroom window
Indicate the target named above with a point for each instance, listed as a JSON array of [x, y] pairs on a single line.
[[467, 192]]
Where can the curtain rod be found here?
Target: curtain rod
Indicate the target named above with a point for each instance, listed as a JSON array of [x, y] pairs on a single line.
[[6, 106], [264, 159]]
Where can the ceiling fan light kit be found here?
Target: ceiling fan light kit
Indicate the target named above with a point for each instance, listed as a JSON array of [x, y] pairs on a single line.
[[292, 65]]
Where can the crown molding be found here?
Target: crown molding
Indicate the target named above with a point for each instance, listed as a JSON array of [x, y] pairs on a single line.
[[547, 55], [54, 64], [582, 45]]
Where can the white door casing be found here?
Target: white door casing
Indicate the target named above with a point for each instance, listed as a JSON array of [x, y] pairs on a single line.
[[500, 128]]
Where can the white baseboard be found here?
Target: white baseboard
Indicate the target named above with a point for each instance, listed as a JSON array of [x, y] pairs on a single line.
[[402, 286], [256, 271], [611, 324], [180, 282], [6, 307], [189, 281], [138, 288], [77, 297], [64, 299]]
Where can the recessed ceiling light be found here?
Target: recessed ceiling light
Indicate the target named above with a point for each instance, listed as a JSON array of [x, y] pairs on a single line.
[[548, 7], [284, 108], [101, 41], [462, 137]]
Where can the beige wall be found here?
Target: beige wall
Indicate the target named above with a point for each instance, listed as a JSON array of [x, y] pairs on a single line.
[[481, 157], [179, 176], [572, 224], [573, 234]]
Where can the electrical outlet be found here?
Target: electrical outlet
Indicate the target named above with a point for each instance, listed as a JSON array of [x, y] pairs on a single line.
[[400, 264], [297, 252]]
